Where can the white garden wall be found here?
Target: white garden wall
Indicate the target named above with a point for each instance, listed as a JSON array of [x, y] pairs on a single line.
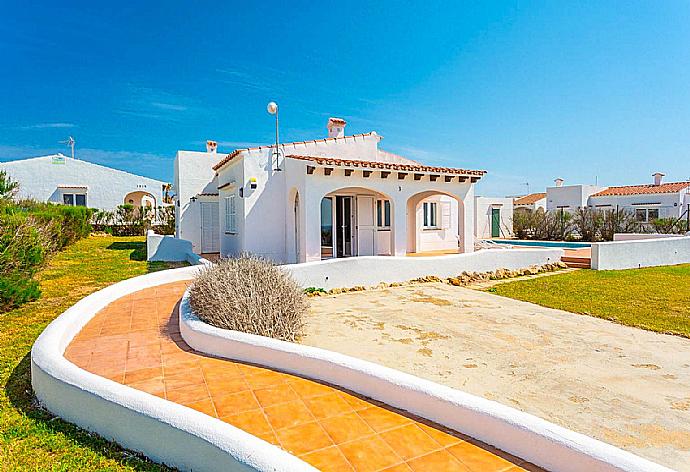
[[641, 253], [528, 437], [334, 273], [164, 431], [638, 236]]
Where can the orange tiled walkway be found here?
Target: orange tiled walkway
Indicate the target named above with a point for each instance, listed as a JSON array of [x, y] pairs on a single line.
[[136, 341]]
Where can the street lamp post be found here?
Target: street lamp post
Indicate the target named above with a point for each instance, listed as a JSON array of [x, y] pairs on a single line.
[[272, 108]]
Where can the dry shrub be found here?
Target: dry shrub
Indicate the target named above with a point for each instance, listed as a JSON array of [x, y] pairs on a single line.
[[251, 295]]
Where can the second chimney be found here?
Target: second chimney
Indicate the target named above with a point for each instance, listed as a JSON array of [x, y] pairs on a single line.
[[211, 146], [658, 177], [559, 182], [336, 127]]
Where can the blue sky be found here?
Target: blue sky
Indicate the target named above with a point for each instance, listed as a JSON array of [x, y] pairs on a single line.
[[529, 91]]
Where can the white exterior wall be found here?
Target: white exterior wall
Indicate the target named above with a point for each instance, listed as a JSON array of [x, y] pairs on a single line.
[[482, 218], [194, 174], [617, 255], [269, 228], [106, 188], [669, 204], [569, 197], [445, 236]]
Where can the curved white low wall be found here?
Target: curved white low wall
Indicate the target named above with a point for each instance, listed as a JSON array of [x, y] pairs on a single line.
[[164, 431], [371, 270], [524, 435]]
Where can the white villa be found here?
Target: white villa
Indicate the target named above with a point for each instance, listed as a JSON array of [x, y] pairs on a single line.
[[61, 179], [338, 196], [531, 202]]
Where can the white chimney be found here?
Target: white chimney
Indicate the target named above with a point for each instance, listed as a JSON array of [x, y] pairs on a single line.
[[658, 177], [211, 146], [336, 127], [559, 182]]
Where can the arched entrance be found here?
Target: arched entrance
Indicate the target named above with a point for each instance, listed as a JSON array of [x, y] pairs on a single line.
[[355, 221], [435, 223], [140, 198]]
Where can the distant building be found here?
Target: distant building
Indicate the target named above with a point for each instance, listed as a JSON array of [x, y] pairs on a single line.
[[61, 179], [531, 202], [493, 217], [569, 198], [647, 201]]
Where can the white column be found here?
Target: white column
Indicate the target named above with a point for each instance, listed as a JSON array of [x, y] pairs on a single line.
[[467, 221], [310, 219], [400, 227]]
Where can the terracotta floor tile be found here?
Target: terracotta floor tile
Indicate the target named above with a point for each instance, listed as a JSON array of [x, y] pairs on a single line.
[[476, 458], [304, 438], [269, 437], [253, 421], [234, 403], [355, 402], [443, 437], [286, 415], [437, 461], [307, 388], [204, 406], [138, 375], [326, 406], [188, 394], [219, 386], [410, 441], [172, 358], [183, 379], [275, 394], [264, 379], [348, 427], [398, 468], [153, 386], [370, 454], [381, 419], [328, 460]]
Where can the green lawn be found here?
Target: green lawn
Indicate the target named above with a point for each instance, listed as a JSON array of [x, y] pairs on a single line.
[[655, 298], [30, 438]]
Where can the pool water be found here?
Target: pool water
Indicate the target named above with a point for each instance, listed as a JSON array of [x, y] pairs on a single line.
[[523, 242]]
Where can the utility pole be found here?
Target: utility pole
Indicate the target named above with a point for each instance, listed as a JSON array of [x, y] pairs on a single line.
[[70, 142]]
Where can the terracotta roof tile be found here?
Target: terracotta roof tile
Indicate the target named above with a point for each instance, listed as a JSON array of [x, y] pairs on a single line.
[[331, 161], [236, 152], [672, 187], [529, 199]]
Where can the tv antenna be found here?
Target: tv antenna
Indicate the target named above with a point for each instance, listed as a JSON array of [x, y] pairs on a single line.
[[527, 184], [69, 142]]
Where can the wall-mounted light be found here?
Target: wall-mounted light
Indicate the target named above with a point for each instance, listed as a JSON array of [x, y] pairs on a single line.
[[193, 199], [252, 183]]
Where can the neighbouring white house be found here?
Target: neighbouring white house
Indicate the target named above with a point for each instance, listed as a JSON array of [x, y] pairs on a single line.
[[531, 202], [569, 198], [61, 179], [339, 196], [493, 217], [647, 201]]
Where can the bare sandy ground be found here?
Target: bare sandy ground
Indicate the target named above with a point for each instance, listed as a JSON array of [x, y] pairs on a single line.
[[625, 386]]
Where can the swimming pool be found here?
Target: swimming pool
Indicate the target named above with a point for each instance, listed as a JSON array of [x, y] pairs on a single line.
[[523, 242]]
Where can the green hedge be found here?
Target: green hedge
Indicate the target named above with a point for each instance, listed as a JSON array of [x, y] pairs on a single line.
[[29, 233]]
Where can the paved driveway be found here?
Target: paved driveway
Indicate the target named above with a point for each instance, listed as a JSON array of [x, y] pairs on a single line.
[[626, 386]]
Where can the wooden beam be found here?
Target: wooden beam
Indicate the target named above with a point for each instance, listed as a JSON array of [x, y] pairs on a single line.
[[433, 178], [475, 179], [462, 178], [402, 175], [327, 170], [348, 172], [310, 170], [418, 176], [385, 174], [448, 178], [366, 173]]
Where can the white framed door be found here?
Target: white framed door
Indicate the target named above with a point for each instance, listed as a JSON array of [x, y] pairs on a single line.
[[366, 225], [210, 227]]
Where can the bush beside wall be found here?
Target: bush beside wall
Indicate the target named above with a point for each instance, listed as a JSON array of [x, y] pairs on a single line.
[[29, 233]]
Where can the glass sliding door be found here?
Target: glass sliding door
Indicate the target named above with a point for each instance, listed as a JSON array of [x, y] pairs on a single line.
[[327, 227], [343, 218]]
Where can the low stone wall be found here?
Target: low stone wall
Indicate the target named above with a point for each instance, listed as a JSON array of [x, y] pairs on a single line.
[[171, 249], [634, 254], [366, 271]]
